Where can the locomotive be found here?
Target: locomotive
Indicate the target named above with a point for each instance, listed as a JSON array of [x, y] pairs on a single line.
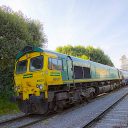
[[48, 81]]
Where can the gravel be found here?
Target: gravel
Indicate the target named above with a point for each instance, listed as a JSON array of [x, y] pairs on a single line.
[[84, 114], [116, 118], [10, 116], [20, 122]]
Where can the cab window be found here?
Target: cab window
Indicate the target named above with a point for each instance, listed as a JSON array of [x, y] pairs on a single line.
[[59, 64], [50, 63], [36, 63], [21, 67], [54, 64]]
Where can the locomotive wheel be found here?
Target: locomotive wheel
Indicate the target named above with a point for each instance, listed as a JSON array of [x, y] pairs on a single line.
[[60, 106], [42, 108], [34, 108], [92, 95], [24, 106]]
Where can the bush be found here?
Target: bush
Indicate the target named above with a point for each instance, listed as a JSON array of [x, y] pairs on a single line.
[[16, 31]]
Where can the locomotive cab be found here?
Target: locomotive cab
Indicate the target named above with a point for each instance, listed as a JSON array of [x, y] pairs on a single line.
[[35, 71], [30, 84], [29, 75]]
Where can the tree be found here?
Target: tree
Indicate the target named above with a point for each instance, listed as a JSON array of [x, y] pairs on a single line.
[[78, 51], [124, 62], [89, 52], [16, 31], [98, 55]]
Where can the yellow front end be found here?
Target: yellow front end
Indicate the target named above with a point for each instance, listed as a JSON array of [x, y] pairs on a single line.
[[29, 75], [32, 77]]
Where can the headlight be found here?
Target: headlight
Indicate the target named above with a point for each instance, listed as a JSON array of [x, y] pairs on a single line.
[[17, 88], [40, 86]]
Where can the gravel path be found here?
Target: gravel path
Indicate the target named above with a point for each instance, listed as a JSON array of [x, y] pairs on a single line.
[[20, 122], [10, 116], [116, 118], [83, 115]]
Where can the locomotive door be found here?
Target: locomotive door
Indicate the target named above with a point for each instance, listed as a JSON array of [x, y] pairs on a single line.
[[70, 71]]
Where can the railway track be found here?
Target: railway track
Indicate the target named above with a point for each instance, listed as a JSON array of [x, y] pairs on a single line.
[[23, 121], [117, 117], [27, 120], [87, 115], [100, 116], [11, 119], [32, 120]]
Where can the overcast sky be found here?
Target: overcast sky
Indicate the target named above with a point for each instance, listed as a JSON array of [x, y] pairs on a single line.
[[100, 23]]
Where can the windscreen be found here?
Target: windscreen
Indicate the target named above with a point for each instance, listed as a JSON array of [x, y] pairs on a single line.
[[36, 63], [21, 67]]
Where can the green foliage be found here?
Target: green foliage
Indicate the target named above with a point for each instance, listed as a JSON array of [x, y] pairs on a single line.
[[78, 51], [16, 31], [84, 57], [89, 52], [7, 107]]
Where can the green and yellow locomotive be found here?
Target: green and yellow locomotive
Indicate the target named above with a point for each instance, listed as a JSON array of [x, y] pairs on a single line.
[[46, 80]]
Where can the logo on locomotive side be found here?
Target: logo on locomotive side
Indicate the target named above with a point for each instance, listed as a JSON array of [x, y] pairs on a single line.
[[28, 76], [55, 74]]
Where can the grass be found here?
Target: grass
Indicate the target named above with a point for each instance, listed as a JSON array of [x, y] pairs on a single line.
[[7, 107]]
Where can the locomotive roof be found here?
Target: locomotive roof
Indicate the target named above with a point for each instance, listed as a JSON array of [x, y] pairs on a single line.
[[60, 55], [29, 49]]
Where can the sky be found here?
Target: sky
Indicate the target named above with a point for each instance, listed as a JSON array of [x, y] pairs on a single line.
[[100, 23]]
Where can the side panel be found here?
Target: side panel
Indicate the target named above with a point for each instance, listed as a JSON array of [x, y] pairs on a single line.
[[65, 70], [53, 76], [102, 72], [70, 69], [93, 71], [114, 73], [99, 71]]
